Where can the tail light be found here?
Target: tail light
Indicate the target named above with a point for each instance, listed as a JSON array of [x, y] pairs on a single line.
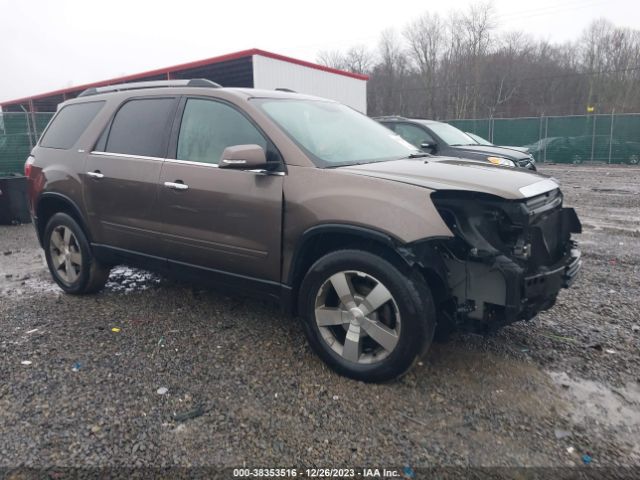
[[27, 166]]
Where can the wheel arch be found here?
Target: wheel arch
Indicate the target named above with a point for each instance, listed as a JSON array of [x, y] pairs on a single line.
[[322, 239], [50, 203]]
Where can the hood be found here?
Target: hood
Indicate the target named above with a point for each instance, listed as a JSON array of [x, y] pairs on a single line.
[[506, 152], [438, 173], [517, 149]]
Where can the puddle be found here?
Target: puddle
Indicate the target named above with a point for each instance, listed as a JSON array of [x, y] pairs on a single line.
[[595, 405], [504, 383]]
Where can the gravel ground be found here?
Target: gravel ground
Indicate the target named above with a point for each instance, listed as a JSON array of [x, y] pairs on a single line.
[[196, 378]]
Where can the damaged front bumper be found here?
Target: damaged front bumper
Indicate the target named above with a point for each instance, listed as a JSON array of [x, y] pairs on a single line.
[[508, 260], [491, 295], [558, 276], [528, 294]]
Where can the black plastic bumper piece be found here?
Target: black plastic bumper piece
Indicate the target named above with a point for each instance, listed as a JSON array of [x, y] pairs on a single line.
[[548, 283], [529, 294]]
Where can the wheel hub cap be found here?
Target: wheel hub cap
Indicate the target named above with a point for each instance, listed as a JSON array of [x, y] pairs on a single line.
[[357, 317], [66, 257]]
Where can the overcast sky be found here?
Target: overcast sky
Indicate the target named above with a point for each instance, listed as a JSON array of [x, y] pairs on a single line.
[[48, 45]]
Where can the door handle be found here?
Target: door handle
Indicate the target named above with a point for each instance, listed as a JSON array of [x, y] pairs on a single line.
[[177, 185], [95, 174]]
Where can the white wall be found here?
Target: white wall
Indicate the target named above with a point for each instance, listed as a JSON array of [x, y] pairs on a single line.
[[270, 73]]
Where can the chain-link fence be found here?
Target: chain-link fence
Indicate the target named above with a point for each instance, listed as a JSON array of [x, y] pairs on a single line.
[[19, 132], [572, 139]]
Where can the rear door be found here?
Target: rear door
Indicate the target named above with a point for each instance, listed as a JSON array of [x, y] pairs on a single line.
[[220, 219], [122, 172]]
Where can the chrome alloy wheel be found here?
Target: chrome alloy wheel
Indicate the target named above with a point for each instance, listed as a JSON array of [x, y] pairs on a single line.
[[65, 254], [357, 317]]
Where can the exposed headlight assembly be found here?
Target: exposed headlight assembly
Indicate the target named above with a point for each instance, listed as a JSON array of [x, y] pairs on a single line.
[[501, 161]]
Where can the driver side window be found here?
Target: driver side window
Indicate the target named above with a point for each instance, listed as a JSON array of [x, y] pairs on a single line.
[[416, 136], [208, 127]]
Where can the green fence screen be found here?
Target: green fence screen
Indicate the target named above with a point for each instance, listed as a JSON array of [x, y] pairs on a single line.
[[571, 139], [19, 132]]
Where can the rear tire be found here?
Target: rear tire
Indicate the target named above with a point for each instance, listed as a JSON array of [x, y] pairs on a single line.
[[69, 257], [366, 317]]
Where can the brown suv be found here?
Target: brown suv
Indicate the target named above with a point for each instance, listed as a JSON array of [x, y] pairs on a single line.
[[374, 244]]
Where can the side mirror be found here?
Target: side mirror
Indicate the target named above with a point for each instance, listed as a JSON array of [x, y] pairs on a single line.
[[244, 157], [428, 147]]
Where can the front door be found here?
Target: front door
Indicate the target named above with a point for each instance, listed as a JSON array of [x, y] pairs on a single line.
[[220, 219], [121, 176]]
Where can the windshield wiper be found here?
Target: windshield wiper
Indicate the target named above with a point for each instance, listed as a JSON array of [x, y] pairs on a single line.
[[418, 155], [338, 165]]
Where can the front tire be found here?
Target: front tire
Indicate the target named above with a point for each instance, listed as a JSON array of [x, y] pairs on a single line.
[[367, 318], [69, 257]]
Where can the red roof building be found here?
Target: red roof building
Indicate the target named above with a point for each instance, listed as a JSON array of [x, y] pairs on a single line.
[[249, 68]]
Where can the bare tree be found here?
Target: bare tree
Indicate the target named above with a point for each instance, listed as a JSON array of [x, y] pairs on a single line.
[[610, 57], [332, 58], [479, 24], [461, 67], [425, 37], [391, 72], [359, 59]]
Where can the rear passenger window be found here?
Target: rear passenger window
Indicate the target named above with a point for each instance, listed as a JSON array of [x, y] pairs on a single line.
[[208, 127], [140, 127], [70, 122]]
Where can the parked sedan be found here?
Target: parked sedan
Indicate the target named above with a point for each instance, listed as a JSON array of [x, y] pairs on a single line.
[[603, 148], [443, 139], [578, 149], [554, 149]]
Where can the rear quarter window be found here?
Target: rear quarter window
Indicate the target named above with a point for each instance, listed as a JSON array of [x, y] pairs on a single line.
[[69, 123]]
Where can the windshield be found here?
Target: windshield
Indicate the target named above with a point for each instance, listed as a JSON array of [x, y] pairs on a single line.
[[451, 135], [334, 134], [479, 139]]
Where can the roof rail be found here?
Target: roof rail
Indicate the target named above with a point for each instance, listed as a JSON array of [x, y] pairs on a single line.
[[194, 82]]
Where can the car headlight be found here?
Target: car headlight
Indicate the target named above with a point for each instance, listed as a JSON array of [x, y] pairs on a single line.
[[501, 161]]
